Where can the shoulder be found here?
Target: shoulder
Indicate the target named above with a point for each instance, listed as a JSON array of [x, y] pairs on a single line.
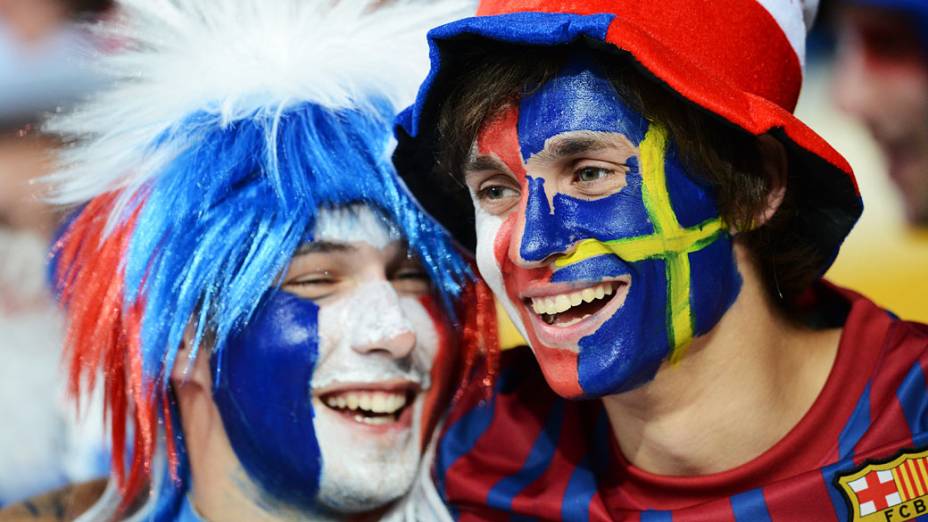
[[61, 505], [893, 356], [870, 325], [504, 433]]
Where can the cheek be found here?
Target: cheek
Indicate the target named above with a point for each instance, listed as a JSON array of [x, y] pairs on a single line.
[[271, 361], [330, 336], [424, 318], [494, 239], [491, 248], [439, 354]]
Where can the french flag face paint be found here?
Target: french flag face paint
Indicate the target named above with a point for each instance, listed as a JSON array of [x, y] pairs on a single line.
[[607, 254], [323, 393], [263, 397]]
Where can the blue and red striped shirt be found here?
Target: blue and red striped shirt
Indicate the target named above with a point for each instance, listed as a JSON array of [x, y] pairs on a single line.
[[526, 454]]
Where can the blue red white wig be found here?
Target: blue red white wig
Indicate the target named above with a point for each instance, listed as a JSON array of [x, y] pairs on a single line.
[[199, 173]]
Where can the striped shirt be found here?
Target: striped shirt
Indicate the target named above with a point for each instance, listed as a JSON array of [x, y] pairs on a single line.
[[526, 454]]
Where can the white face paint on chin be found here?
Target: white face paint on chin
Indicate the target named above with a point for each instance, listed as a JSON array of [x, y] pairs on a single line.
[[370, 465], [366, 466]]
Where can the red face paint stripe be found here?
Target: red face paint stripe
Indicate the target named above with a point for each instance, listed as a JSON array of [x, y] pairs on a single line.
[[500, 136], [559, 366], [444, 375]]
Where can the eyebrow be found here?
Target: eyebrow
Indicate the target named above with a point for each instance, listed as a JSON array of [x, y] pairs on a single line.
[[481, 163], [572, 146], [323, 247]]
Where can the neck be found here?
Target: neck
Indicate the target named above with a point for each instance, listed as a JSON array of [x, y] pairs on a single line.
[[738, 391]]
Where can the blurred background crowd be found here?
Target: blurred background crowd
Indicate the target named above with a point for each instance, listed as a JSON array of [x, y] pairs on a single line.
[[44, 67], [866, 92]]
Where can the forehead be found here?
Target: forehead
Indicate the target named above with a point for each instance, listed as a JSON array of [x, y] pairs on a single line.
[[358, 223], [580, 97]]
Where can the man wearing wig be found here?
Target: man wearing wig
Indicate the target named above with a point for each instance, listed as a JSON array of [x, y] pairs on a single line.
[[656, 221], [268, 308]]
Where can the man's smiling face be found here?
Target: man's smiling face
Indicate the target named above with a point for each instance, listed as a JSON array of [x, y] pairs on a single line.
[[327, 391], [607, 255]]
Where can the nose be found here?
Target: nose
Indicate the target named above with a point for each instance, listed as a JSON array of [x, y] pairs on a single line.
[[543, 234], [382, 325], [397, 346]]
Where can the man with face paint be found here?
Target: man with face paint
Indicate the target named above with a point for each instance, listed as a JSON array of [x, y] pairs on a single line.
[[656, 222], [267, 307]]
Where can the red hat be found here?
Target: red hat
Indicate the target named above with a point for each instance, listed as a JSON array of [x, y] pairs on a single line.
[[741, 60]]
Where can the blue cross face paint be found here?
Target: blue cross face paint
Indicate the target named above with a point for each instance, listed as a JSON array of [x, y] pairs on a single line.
[[606, 253], [323, 393]]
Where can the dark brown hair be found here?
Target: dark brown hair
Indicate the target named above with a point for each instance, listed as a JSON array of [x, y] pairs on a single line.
[[724, 157], [88, 7]]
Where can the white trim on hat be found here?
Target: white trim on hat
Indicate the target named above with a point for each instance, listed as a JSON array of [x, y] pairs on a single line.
[[795, 18]]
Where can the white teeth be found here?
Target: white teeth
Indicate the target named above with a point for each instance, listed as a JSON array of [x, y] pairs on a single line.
[[557, 304], [376, 421], [550, 306], [386, 402], [589, 295], [576, 298], [378, 403], [537, 307]]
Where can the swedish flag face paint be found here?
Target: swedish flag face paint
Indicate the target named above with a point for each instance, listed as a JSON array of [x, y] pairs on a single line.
[[608, 256]]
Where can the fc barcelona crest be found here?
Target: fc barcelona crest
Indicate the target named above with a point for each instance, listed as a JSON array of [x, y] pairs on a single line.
[[889, 492]]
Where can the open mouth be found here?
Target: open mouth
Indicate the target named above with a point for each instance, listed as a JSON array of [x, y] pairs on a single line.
[[370, 407], [569, 308]]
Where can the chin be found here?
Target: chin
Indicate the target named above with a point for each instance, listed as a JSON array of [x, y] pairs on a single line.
[[365, 467], [352, 484]]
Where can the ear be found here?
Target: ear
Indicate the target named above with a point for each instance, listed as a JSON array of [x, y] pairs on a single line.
[[187, 372], [776, 167]]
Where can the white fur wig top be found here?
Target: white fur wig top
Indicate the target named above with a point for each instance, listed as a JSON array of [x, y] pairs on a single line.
[[234, 59]]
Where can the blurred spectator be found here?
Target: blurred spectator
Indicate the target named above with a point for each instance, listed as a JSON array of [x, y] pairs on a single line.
[[881, 77], [885, 256], [42, 55], [42, 68]]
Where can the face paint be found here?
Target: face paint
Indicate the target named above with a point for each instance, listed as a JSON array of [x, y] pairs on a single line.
[[373, 463], [263, 397], [605, 286], [354, 223], [323, 401]]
